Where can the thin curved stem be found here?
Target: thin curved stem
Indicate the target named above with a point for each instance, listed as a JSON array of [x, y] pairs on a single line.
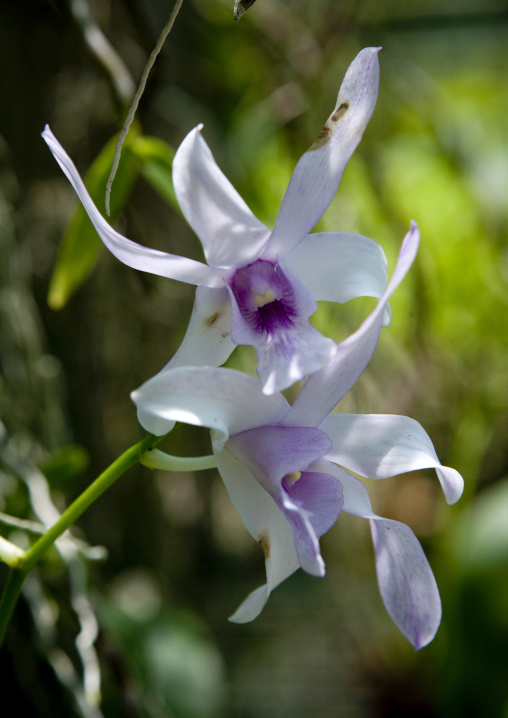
[[135, 102]]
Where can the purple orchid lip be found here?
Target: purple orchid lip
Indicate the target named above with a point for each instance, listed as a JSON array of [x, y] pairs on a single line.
[[265, 297], [279, 458], [271, 309]]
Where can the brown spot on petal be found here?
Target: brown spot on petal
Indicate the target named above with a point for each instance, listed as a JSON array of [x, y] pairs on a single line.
[[211, 320], [340, 112], [264, 542], [326, 132], [321, 139]]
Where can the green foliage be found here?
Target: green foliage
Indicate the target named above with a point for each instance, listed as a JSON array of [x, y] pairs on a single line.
[[81, 245], [156, 161], [170, 659], [473, 574]]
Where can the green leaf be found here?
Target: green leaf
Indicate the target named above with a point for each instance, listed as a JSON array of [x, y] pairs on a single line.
[[156, 160], [81, 244]]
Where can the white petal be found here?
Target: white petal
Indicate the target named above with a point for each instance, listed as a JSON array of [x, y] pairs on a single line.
[[132, 254], [324, 389], [338, 266], [153, 423], [221, 399], [406, 582], [206, 343], [266, 524], [355, 494], [319, 171], [230, 234], [378, 446]]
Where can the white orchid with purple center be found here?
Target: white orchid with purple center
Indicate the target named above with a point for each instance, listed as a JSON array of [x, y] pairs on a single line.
[[259, 287], [287, 468]]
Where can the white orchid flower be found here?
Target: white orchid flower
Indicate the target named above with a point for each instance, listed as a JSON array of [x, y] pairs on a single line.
[[260, 287], [287, 468]]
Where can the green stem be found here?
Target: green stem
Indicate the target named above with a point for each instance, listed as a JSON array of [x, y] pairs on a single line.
[[28, 559], [155, 459], [135, 102]]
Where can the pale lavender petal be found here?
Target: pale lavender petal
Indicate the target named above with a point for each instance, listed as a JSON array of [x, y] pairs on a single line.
[[266, 524], [273, 454], [319, 171], [279, 450], [378, 446], [221, 399], [324, 389], [291, 357], [132, 254], [286, 344], [338, 266], [322, 497], [230, 234], [305, 538], [406, 582]]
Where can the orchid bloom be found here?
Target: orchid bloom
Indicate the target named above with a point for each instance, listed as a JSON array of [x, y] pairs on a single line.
[[260, 287], [287, 468]]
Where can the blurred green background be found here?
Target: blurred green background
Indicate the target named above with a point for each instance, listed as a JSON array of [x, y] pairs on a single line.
[[143, 620]]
